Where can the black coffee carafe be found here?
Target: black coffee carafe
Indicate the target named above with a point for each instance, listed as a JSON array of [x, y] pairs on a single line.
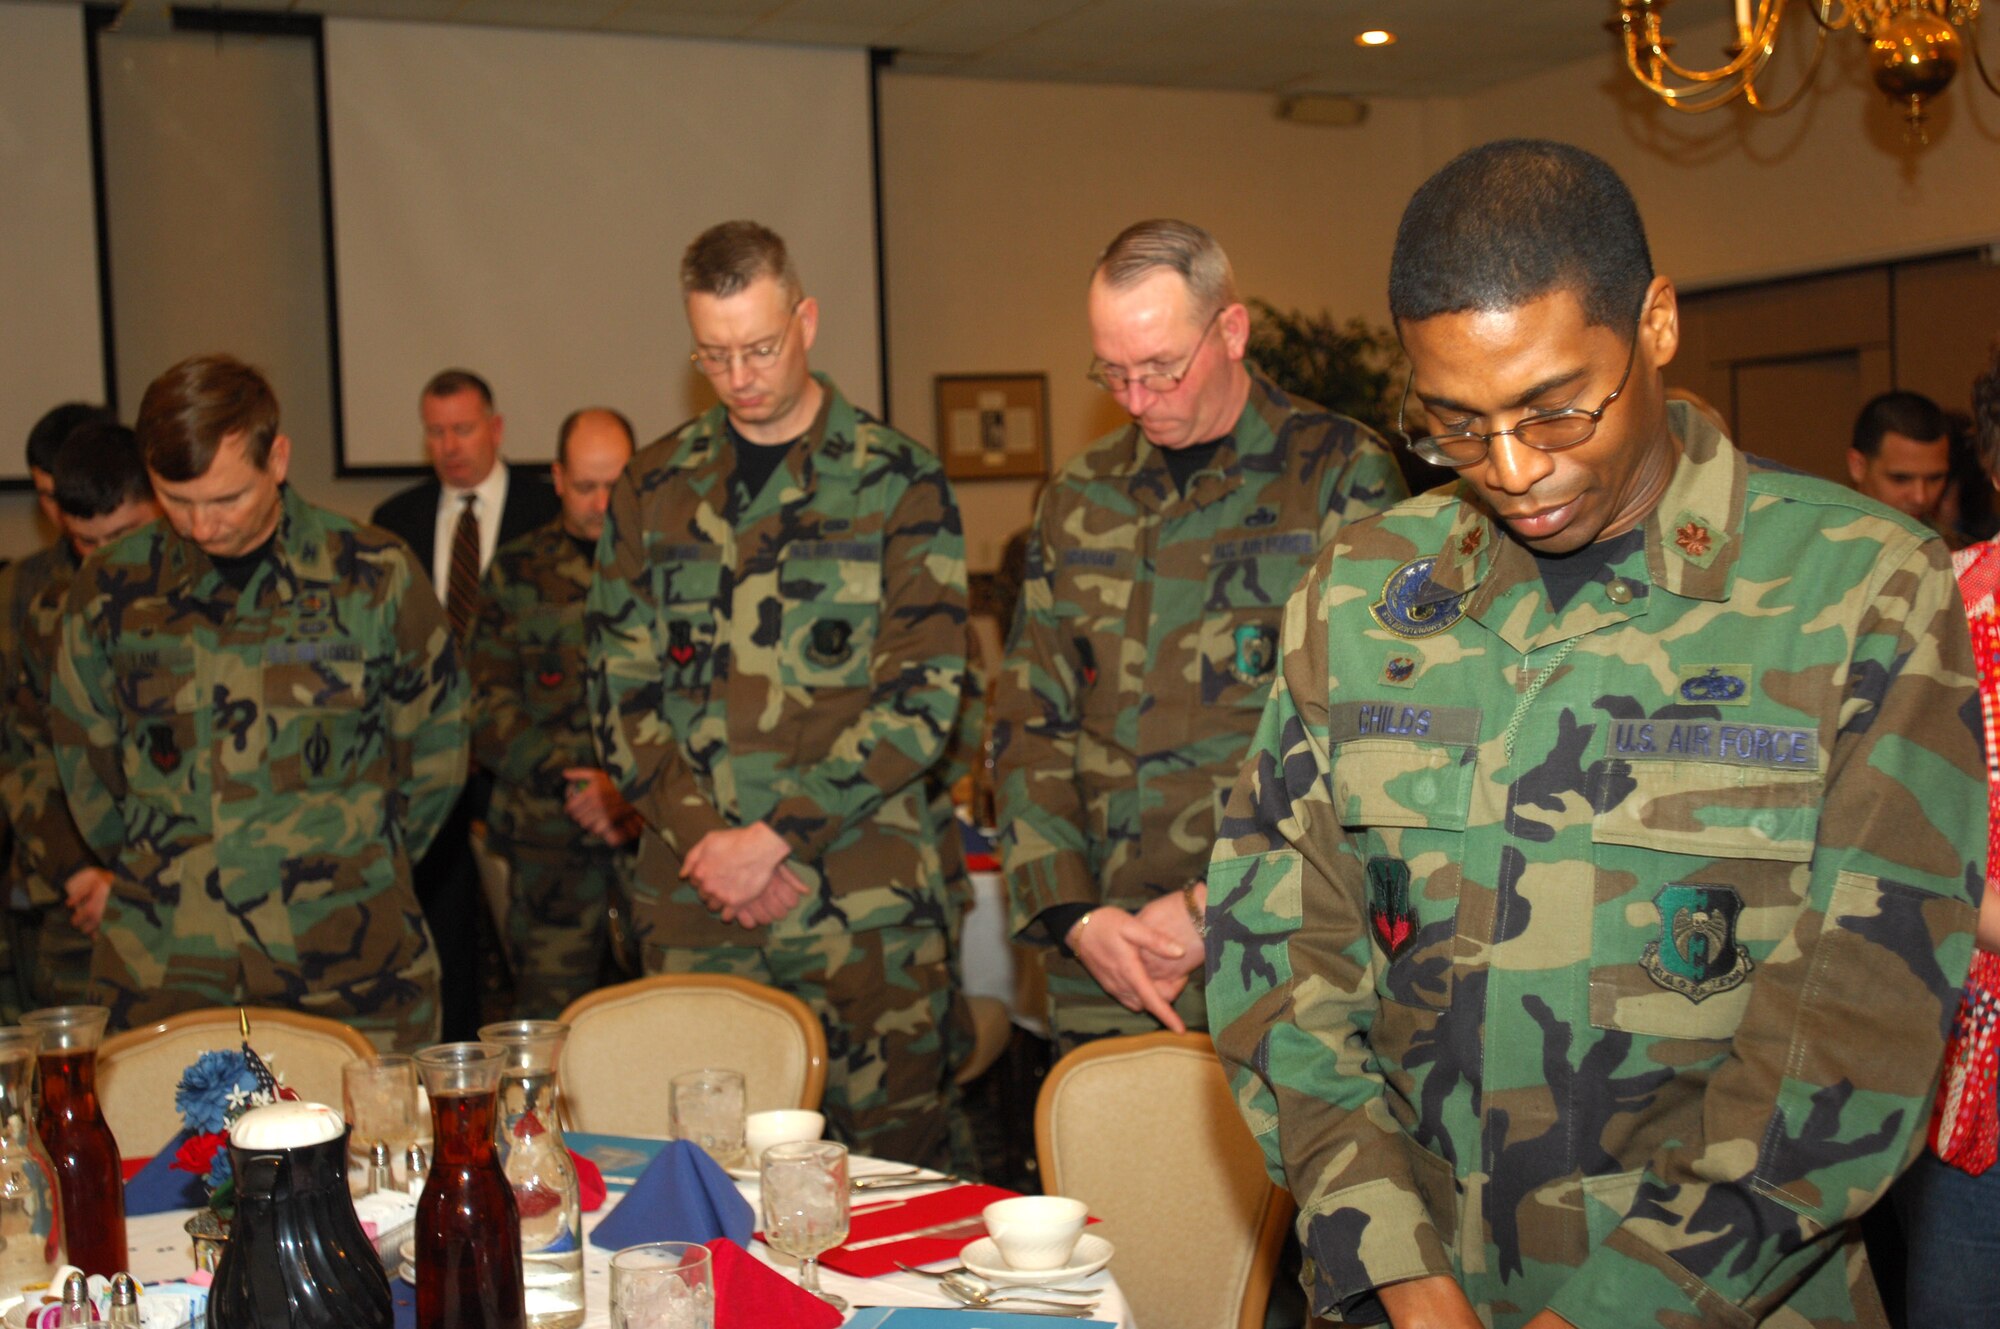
[[297, 1257]]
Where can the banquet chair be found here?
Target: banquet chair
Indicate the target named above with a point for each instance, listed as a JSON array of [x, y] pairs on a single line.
[[1144, 1131], [628, 1042], [138, 1070]]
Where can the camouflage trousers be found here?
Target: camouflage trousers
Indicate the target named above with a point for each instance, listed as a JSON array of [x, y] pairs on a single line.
[[884, 997], [146, 969], [558, 935], [1080, 1011], [51, 957]]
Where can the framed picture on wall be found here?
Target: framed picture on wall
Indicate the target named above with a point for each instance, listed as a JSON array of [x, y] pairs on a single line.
[[993, 426]]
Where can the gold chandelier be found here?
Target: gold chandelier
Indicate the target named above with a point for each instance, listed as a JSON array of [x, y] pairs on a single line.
[[1914, 49]]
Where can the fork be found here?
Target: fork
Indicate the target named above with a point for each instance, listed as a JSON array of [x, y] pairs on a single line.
[[1076, 1310]]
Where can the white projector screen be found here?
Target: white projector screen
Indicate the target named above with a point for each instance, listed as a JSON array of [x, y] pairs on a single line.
[[51, 329], [516, 203]]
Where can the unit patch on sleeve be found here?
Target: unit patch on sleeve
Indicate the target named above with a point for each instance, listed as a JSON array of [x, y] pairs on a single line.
[[1411, 606]]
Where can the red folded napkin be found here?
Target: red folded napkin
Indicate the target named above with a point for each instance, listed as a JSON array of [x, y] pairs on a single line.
[[750, 1294], [964, 1203], [589, 1183]]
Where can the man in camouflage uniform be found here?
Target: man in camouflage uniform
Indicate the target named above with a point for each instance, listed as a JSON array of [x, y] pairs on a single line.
[[1585, 924], [57, 887], [777, 636], [259, 718], [555, 817], [20, 582], [1148, 629]]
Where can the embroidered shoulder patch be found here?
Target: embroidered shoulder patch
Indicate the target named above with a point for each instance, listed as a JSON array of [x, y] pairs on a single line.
[[1390, 913], [1411, 606]]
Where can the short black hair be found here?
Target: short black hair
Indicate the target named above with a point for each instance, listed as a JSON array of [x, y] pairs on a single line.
[[1509, 222], [45, 439], [99, 470], [1910, 414]]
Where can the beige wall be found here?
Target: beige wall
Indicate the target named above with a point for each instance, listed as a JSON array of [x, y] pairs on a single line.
[[998, 195]]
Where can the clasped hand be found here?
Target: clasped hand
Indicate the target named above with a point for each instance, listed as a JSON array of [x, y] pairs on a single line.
[[742, 875]]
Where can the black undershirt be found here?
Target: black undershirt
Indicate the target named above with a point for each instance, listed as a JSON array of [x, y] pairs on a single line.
[[239, 569], [1563, 575], [587, 548], [756, 462], [1186, 463]]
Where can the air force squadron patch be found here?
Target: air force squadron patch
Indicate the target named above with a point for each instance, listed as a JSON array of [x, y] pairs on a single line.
[[1411, 606], [1697, 954]]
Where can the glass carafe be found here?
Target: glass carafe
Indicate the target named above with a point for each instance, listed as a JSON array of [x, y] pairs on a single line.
[[538, 1166], [468, 1229], [31, 1246], [78, 1142]]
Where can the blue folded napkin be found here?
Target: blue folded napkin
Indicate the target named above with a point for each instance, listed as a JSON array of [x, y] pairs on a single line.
[[156, 1187], [681, 1196]]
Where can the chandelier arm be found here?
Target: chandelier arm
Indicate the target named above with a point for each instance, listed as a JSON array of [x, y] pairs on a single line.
[[1791, 98], [1822, 12], [1979, 60]]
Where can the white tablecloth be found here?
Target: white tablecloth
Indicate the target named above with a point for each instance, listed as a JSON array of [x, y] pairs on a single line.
[[160, 1252]]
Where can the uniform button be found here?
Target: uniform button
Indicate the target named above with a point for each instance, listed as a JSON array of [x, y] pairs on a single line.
[[1620, 592]]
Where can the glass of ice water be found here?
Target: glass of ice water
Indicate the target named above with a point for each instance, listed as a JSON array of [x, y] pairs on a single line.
[[706, 1106], [804, 1190], [663, 1285]]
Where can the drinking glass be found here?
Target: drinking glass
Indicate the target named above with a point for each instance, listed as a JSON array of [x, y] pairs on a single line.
[[380, 1094], [804, 1189], [663, 1285], [706, 1107]]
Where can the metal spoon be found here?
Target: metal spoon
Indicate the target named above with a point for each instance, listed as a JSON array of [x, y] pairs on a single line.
[[980, 1301], [1072, 1309], [973, 1285]]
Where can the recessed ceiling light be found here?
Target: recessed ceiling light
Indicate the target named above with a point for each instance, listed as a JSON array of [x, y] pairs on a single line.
[[1375, 37]]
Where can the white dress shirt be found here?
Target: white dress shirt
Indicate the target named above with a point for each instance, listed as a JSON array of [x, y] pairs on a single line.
[[489, 500]]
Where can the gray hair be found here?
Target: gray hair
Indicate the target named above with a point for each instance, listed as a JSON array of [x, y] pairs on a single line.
[[1144, 248]]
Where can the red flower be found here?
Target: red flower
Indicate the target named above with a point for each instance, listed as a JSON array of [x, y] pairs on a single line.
[[197, 1152]]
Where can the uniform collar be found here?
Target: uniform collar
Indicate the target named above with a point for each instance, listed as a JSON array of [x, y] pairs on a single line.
[[1254, 435], [1693, 535], [832, 442], [298, 551]]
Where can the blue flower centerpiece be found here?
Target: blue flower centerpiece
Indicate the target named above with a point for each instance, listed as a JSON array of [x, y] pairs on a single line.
[[217, 1089]]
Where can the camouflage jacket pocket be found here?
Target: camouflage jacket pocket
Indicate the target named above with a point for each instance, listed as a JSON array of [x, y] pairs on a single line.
[[688, 622], [550, 642], [1676, 933], [831, 608], [1402, 782], [158, 704], [1410, 800], [317, 723], [1712, 809]]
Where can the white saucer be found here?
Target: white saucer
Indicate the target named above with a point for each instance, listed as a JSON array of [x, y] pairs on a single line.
[[982, 1257]]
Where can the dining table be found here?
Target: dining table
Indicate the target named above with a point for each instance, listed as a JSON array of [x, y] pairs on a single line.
[[161, 1250]]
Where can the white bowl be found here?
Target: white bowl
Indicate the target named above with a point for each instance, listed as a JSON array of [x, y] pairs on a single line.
[[761, 1130], [1035, 1231]]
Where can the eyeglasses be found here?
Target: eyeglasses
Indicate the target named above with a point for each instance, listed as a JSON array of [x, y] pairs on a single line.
[[1113, 379], [1545, 431], [763, 355]]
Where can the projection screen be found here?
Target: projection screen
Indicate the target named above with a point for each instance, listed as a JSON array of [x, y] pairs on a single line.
[[516, 202], [51, 329]]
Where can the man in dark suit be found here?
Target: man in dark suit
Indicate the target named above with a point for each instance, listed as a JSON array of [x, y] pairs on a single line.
[[454, 520]]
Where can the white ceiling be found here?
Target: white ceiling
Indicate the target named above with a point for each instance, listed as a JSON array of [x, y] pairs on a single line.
[[1444, 46]]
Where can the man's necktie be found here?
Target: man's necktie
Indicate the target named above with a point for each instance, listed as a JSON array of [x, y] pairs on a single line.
[[461, 595]]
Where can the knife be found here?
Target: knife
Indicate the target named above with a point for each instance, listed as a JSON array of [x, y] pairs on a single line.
[[971, 1226]]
